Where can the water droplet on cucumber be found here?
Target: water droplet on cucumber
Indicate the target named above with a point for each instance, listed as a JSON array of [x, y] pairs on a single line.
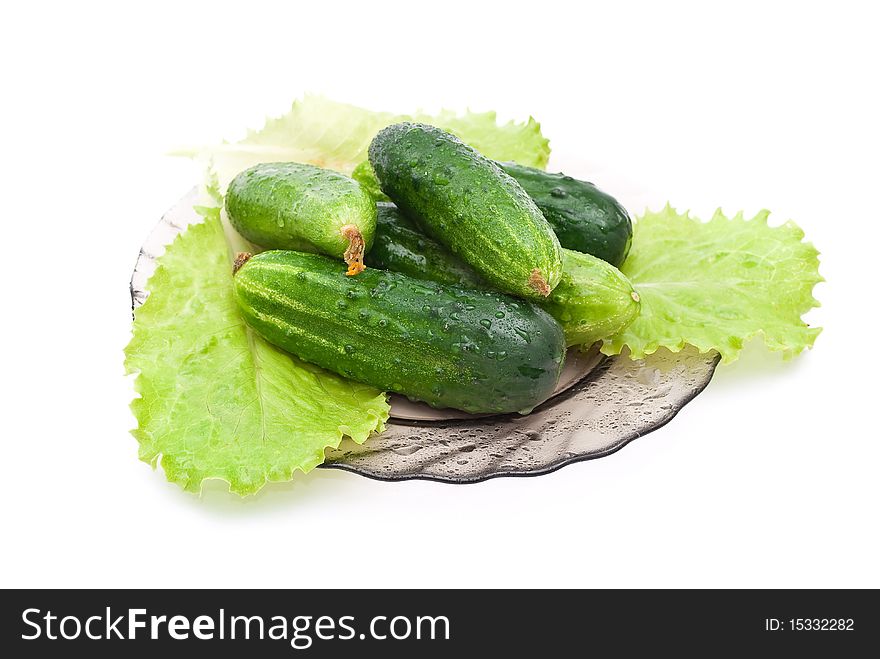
[[531, 372]]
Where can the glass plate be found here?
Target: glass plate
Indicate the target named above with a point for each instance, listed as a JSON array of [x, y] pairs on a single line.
[[601, 404]]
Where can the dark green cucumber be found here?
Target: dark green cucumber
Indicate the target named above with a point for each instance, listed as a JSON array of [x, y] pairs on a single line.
[[583, 217], [468, 203], [592, 301], [400, 246], [449, 346], [288, 205]]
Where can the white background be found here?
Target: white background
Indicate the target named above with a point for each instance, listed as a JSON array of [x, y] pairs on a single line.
[[769, 478]]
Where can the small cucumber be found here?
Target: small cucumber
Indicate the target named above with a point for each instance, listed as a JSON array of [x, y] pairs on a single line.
[[468, 203], [450, 346], [583, 217], [592, 301], [363, 173], [288, 205]]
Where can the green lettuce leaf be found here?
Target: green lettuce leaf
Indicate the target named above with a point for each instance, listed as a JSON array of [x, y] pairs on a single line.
[[520, 142], [216, 400], [336, 136], [716, 284]]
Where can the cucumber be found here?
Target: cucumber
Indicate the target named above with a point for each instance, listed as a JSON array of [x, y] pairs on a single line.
[[449, 346], [288, 205], [583, 217], [401, 247], [468, 203], [363, 173], [592, 301]]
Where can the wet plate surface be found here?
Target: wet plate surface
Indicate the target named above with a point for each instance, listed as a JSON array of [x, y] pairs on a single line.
[[618, 401], [601, 405]]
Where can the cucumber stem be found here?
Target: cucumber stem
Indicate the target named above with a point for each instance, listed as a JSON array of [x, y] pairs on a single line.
[[354, 254], [537, 281], [240, 259]]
